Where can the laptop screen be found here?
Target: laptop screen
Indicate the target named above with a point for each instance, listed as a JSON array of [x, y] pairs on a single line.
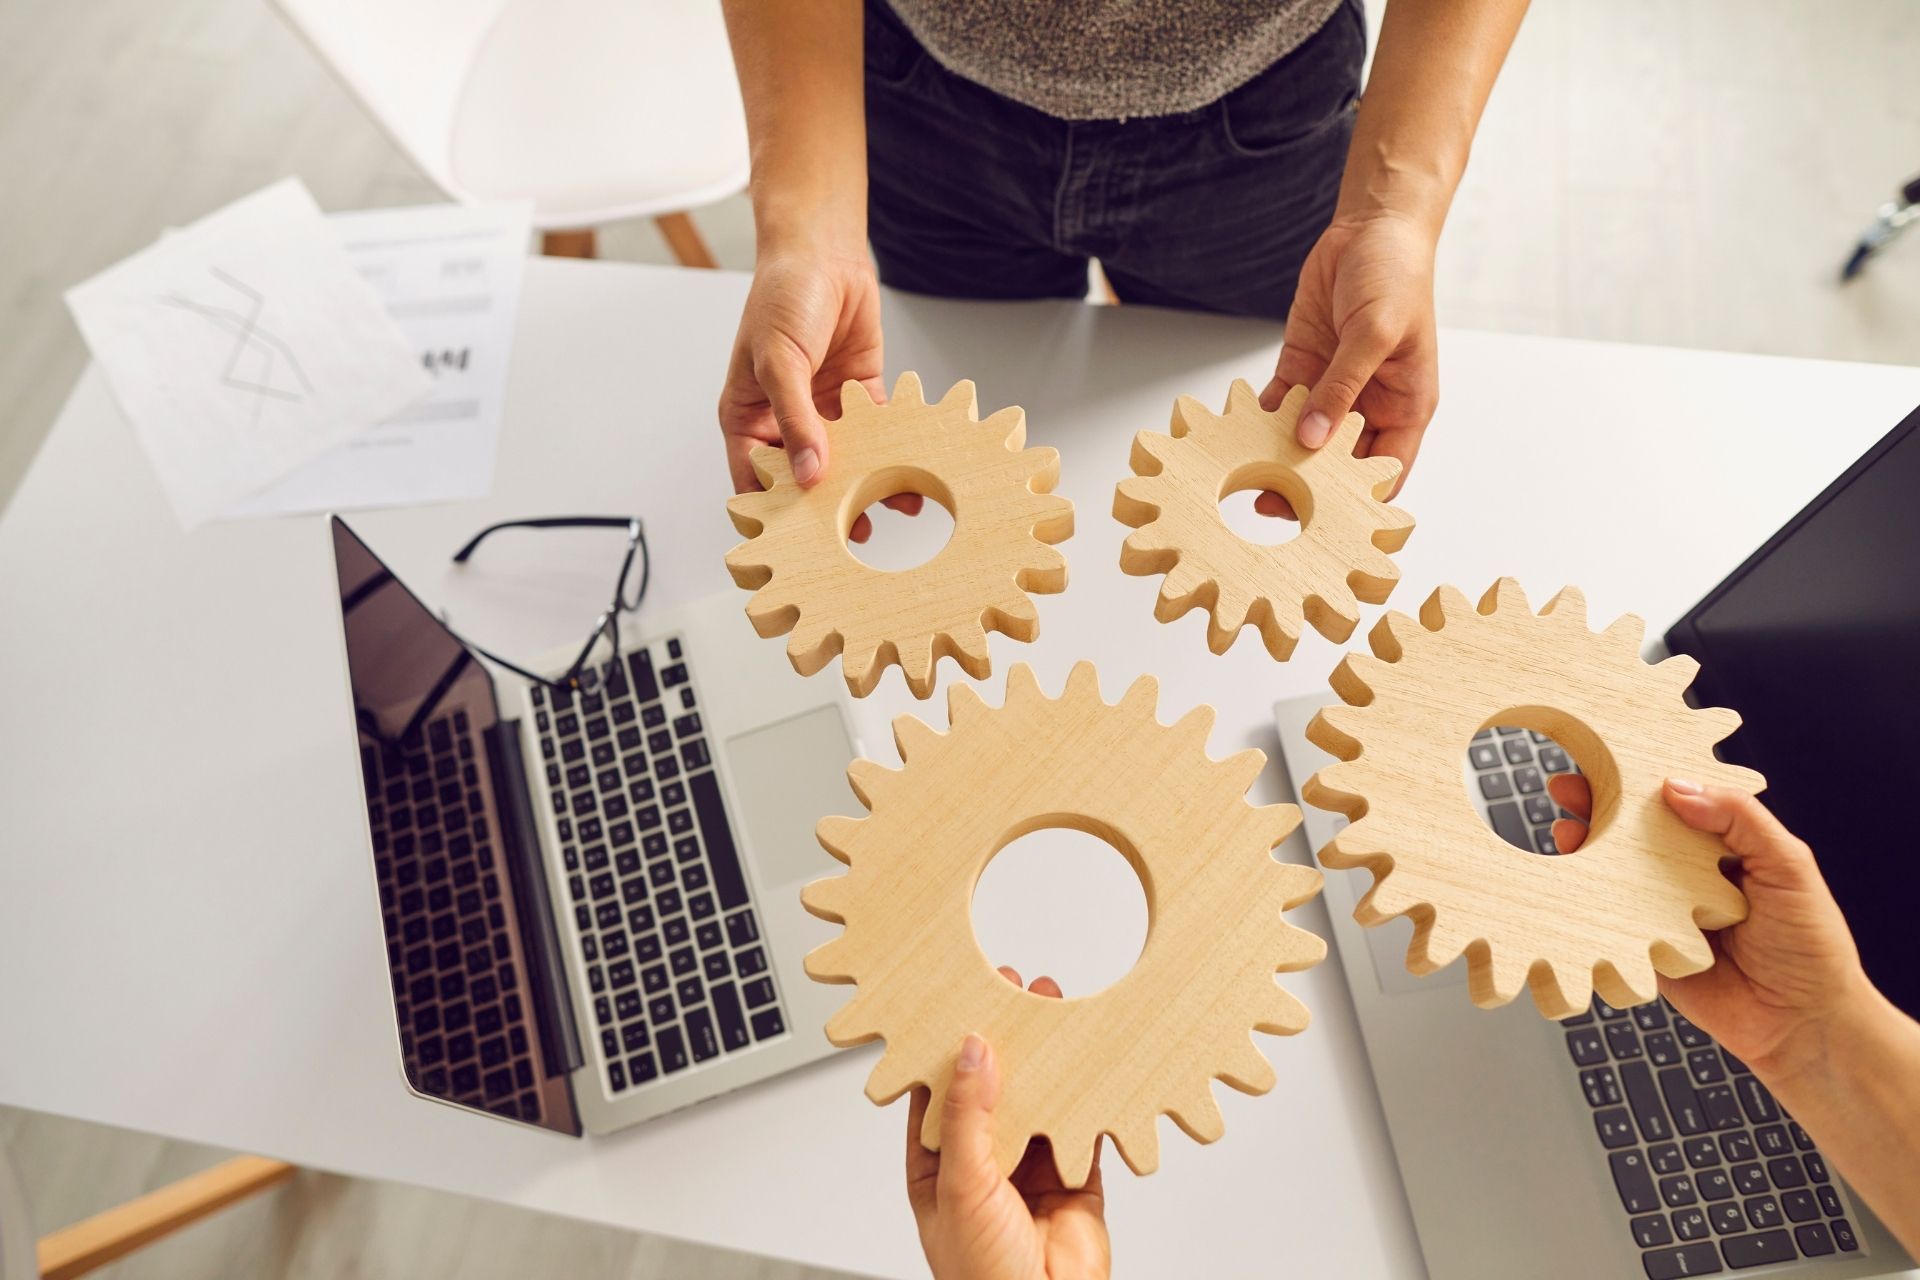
[[1814, 642], [463, 989]]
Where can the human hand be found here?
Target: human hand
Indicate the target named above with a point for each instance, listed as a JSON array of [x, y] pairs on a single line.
[[811, 323], [975, 1224], [1361, 337], [1781, 976]]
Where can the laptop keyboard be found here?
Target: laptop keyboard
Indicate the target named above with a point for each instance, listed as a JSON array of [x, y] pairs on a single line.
[[1510, 768], [677, 971], [1712, 1173], [466, 1034]]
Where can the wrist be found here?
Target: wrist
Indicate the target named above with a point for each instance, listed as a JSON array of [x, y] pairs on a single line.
[[1379, 184], [1818, 1053], [788, 221]]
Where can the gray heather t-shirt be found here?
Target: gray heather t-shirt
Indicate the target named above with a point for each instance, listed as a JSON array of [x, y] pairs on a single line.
[[1107, 59]]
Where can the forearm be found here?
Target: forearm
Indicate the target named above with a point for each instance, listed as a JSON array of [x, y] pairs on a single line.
[[799, 63], [1857, 1091], [1432, 72]]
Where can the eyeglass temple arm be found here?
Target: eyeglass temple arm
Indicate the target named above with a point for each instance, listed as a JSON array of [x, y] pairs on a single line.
[[544, 522]]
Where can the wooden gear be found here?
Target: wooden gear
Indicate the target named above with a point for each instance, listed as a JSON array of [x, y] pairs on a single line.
[[1346, 529], [1107, 1062], [809, 583], [1635, 896]]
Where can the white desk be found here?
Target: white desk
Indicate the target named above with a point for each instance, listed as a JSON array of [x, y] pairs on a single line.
[[188, 938]]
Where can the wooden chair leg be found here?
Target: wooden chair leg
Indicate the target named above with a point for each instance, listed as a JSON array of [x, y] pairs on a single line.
[[93, 1243], [685, 240], [570, 244]]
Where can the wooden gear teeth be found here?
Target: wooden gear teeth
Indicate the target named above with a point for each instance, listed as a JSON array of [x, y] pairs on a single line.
[[807, 582], [1339, 559], [1632, 901], [1108, 1062]]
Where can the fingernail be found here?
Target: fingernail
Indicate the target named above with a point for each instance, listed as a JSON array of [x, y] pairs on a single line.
[[1681, 786], [806, 465], [1314, 429], [972, 1050]]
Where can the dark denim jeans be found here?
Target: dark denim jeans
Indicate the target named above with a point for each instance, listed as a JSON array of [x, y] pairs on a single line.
[[972, 195]]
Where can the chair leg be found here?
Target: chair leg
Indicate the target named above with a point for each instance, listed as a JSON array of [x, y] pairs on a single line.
[[689, 248], [570, 244], [94, 1242]]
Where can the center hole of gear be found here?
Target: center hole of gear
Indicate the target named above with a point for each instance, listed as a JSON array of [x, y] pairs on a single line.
[[898, 541], [1242, 490], [1060, 902], [1510, 767]]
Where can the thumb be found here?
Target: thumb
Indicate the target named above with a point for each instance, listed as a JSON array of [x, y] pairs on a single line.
[[787, 380], [1364, 347], [968, 1172], [1748, 828]]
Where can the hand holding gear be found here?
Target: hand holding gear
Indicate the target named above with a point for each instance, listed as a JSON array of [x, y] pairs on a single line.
[[1108, 1062], [1004, 515], [1636, 896]]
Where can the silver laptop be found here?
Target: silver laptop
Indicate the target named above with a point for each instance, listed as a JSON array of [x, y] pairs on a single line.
[[1626, 1142], [590, 897]]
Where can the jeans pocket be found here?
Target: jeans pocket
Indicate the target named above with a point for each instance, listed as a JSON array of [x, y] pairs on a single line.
[[893, 55], [1309, 92]]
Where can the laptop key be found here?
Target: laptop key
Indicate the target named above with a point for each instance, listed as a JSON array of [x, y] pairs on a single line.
[[1726, 1217], [1686, 1260], [1677, 1191], [1758, 1250], [1690, 1224], [1483, 755], [1764, 1212], [616, 1076], [1722, 1111], [1662, 1049], [1751, 1179], [1689, 1116], [726, 1007], [741, 928], [1623, 1040], [642, 1067], [660, 1011], [1665, 1158], [1758, 1102], [1773, 1140], [701, 1037], [1506, 820], [1632, 1181], [672, 1050], [767, 1024], [1645, 1101], [759, 992], [1842, 1232], [1815, 1166], [1615, 1128], [1713, 1184], [1495, 786], [1601, 1086], [1652, 1231], [1585, 1045], [1799, 1206], [1786, 1172], [1737, 1146]]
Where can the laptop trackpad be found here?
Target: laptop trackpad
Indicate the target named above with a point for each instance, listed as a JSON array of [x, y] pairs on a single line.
[[788, 775]]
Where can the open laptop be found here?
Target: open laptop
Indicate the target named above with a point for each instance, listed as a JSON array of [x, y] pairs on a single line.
[[590, 899], [1626, 1143]]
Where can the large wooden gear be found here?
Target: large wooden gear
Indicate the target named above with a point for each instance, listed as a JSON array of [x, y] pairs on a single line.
[[1339, 559], [1108, 1062], [1004, 515], [1634, 898]]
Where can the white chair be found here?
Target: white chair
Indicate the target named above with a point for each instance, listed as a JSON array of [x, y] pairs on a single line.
[[595, 110]]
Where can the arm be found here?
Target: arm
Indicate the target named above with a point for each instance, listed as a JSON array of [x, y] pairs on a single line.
[[1856, 1089], [1787, 996], [812, 318], [1361, 332]]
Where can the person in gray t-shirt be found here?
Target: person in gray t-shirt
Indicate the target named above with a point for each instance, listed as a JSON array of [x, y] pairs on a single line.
[[1210, 154]]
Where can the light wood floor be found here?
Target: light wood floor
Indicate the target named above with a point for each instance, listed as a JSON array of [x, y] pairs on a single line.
[[1648, 172]]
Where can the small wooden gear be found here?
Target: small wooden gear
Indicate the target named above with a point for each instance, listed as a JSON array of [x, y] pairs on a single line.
[[1346, 528], [1635, 896], [1004, 514], [1108, 1062]]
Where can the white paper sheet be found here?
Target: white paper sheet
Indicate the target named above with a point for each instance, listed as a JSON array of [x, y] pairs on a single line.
[[450, 277], [244, 346]]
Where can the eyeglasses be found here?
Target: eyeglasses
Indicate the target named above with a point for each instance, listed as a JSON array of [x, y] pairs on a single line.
[[607, 625]]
